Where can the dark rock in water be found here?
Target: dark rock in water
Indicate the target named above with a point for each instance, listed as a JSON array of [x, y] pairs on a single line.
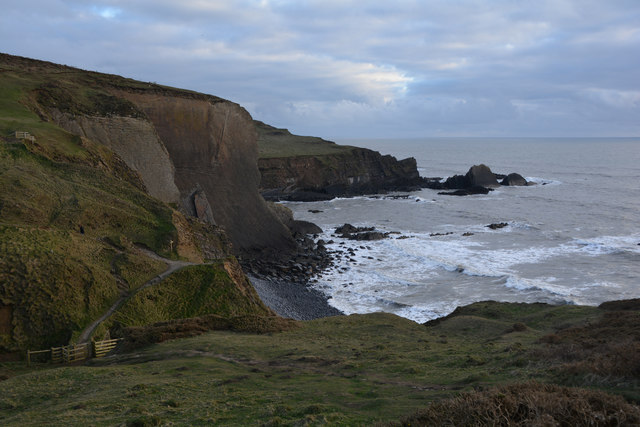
[[314, 211], [496, 226], [467, 191], [467, 234], [304, 227], [368, 235], [514, 179], [477, 176], [348, 231], [481, 175], [348, 228]]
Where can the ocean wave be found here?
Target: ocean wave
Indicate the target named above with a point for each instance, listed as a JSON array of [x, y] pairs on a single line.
[[543, 181], [608, 245]]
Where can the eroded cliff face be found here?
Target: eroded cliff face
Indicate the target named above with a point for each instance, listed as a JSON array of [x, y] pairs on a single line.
[[194, 150], [355, 171], [135, 141], [212, 144]]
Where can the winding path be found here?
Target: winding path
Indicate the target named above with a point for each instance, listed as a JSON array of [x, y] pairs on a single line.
[[172, 266]]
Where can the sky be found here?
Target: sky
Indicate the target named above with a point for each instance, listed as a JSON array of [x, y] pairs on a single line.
[[364, 69]]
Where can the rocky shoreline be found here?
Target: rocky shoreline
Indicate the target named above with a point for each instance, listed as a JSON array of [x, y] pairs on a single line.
[[293, 300], [283, 279]]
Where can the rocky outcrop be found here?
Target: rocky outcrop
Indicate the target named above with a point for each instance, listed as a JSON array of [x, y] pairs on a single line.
[[212, 144], [303, 168], [298, 228], [348, 231], [135, 141], [478, 180], [354, 172], [477, 176]]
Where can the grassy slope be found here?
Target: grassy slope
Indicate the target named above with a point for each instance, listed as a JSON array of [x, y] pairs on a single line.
[[353, 370], [55, 279], [193, 291]]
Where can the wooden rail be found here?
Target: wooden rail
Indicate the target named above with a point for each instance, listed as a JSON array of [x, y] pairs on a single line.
[[75, 353], [102, 348], [25, 135]]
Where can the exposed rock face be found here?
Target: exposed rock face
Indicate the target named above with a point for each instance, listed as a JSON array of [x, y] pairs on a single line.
[[135, 141], [212, 144], [353, 172], [195, 150]]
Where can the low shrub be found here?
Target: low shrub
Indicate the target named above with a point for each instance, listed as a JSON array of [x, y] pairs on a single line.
[[531, 404]]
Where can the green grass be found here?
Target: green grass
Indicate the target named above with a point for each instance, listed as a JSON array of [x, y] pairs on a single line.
[[193, 291], [55, 279], [277, 143], [347, 370]]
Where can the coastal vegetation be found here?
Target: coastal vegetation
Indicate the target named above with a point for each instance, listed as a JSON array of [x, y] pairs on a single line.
[[79, 232], [353, 370], [75, 219]]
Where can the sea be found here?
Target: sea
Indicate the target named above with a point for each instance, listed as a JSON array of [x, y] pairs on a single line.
[[572, 238]]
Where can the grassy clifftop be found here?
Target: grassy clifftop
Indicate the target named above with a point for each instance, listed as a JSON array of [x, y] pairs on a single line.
[[277, 143]]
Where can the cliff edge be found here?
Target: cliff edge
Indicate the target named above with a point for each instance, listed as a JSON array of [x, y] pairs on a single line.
[[304, 168]]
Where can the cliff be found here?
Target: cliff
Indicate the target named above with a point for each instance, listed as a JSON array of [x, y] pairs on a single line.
[[112, 166], [195, 150], [308, 168]]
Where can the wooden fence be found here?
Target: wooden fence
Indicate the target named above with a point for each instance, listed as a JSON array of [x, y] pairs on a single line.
[[75, 353], [102, 348], [25, 135]]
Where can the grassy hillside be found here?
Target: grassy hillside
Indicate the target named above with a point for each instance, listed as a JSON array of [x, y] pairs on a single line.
[[191, 292], [72, 213], [54, 278], [354, 370]]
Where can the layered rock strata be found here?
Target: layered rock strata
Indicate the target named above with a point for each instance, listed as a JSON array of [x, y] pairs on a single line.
[[196, 151]]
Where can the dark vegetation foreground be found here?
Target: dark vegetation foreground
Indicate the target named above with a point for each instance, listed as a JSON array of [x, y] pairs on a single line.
[[554, 365]]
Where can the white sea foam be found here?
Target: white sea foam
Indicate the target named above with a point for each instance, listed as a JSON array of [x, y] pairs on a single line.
[[577, 242], [604, 245], [543, 181]]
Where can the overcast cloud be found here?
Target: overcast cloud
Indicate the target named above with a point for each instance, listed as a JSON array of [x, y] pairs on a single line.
[[365, 68]]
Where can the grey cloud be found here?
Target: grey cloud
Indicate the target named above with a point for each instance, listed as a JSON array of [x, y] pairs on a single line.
[[365, 68]]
